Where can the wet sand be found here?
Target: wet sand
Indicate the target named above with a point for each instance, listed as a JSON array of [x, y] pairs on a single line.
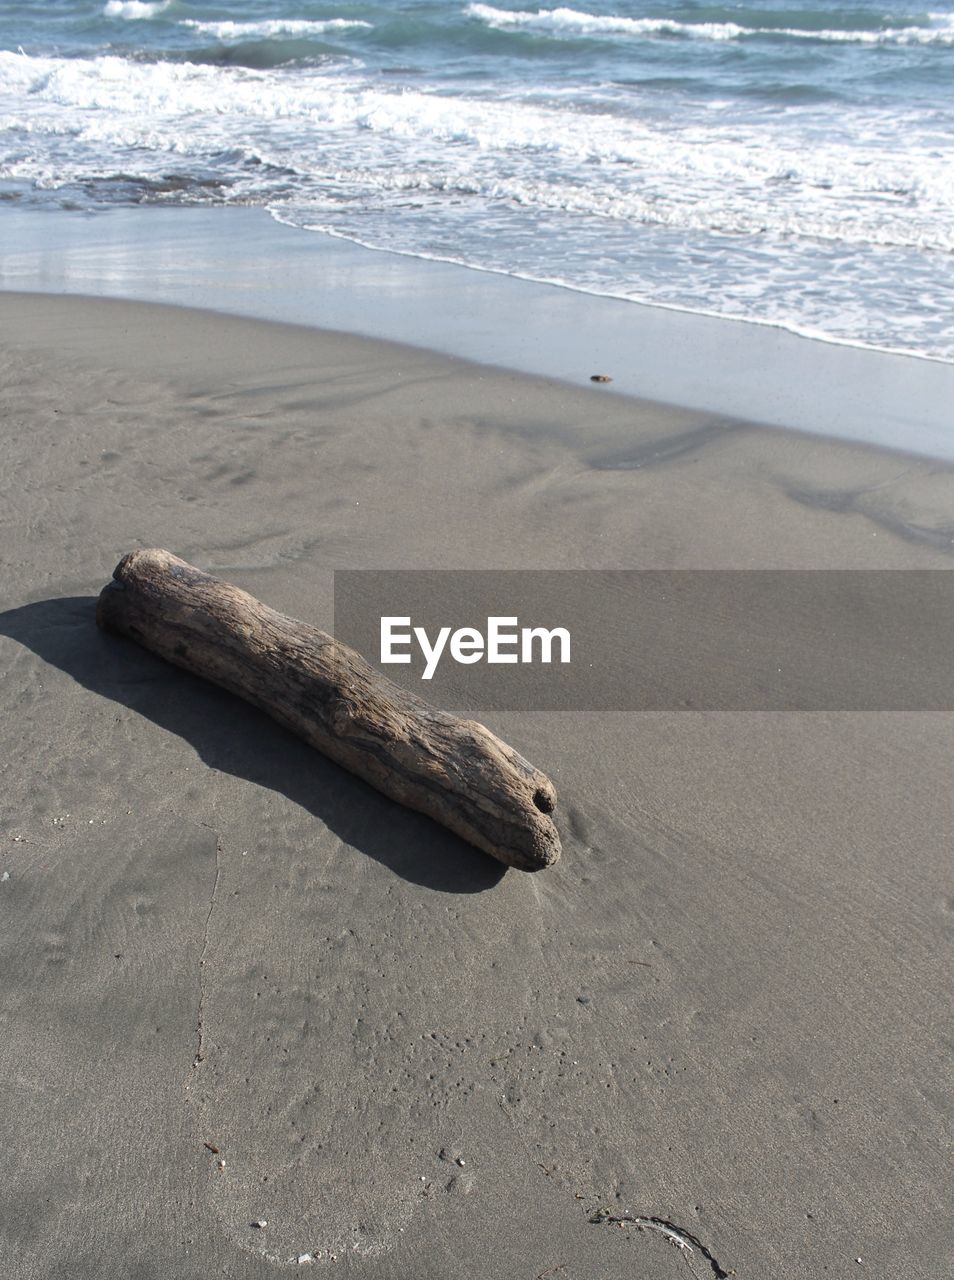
[[725, 1013], [240, 261]]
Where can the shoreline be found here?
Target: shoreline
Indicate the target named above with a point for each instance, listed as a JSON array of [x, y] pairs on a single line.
[[809, 335], [734, 368]]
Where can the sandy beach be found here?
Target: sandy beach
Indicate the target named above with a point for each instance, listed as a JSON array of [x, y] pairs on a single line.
[[240, 987]]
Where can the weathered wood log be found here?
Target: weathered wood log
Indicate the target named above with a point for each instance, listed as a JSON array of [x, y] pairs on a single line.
[[456, 771]]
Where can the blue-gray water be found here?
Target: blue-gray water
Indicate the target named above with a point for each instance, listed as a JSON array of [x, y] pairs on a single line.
[[781, 164]]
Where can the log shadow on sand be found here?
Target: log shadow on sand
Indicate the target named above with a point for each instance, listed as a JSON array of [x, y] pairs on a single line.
[[235, 738]]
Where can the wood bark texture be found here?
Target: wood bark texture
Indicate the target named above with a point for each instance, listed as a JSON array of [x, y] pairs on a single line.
[[454, 770]]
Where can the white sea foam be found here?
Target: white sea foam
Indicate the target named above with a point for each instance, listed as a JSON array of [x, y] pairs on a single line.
[[228, 30], [707, 209], [767, 178], [134, 9], [574, 22]]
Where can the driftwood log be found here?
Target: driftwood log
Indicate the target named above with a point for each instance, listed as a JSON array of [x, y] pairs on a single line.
[[456, 771]]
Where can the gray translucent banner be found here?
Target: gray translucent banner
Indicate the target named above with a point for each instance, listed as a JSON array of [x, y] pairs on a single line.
[[648, 640]]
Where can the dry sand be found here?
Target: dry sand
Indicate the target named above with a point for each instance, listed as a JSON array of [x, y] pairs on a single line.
[[727, 1009]]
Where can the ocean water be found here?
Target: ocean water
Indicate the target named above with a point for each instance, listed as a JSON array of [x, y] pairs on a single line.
[[782, 163]]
